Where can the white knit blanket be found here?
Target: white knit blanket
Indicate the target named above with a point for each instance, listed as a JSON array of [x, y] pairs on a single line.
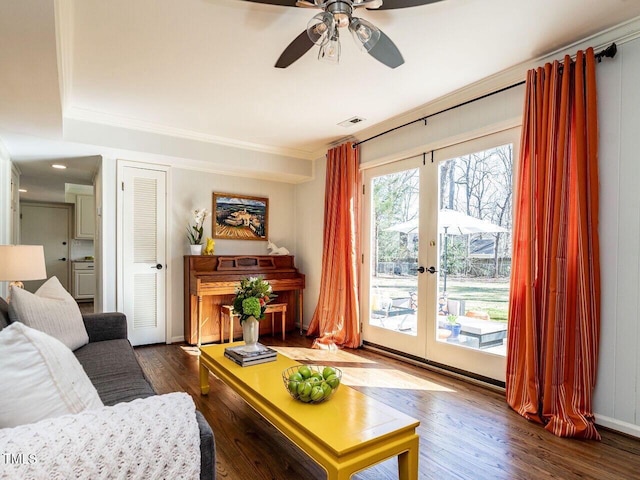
[[152, 438]]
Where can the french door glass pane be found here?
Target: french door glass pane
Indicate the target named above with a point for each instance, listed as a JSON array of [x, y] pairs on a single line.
[[394, 252], [474, 229]]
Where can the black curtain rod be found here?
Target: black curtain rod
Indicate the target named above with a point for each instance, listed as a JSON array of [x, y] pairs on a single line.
[[608, 52]]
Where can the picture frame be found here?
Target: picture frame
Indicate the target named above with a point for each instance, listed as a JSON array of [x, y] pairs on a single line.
[[240, 217]]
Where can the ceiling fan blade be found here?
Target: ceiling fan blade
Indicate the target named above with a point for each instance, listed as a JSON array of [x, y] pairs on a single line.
[[385, 51], [300, 45], [393, 4], [282, 3], [305, 4]]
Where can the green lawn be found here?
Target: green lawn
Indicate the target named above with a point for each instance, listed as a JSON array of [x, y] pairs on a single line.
[[486, 294]]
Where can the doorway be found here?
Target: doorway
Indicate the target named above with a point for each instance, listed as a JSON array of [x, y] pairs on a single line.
[[48, 225], [437, 245], [395, 293], [142, 235]]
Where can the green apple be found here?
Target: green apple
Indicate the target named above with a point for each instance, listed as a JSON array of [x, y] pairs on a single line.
[[293, 386], [317, 393], [327, 371], [296, 377], [304, 371], [304, 389], [333, 381]]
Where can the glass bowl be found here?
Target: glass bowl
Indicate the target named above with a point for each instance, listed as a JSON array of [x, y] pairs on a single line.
[[311, 383]]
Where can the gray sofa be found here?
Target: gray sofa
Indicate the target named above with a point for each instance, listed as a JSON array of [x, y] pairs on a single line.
[[112, 367]]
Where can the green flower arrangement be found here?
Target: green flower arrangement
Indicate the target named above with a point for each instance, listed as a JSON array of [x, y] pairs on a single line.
[[251, 298]]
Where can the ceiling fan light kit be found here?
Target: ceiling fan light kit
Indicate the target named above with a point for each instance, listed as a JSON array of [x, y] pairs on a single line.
[[364, 33], [322, 30], [330, 51]]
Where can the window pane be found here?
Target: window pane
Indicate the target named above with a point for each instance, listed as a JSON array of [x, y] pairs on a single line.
[[474, 225], [394, 251]]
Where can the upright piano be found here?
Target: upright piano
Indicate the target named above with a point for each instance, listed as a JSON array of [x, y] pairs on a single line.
[[210, 281]]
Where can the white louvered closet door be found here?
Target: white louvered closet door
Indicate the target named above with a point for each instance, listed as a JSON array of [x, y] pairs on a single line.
[[144, 254]]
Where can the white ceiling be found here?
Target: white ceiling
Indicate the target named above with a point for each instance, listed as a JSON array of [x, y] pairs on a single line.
[[203, 69]]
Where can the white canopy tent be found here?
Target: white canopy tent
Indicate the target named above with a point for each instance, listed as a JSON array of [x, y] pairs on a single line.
[[451, 222]]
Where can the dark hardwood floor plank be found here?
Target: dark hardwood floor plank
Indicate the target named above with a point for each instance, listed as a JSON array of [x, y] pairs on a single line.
[[467, 432]]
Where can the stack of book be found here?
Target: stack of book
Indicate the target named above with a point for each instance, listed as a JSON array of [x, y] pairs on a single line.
[[245, 358]]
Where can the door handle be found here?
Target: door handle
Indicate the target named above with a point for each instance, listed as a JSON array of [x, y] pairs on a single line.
[[431, 269], [63, 259], [158, 266]]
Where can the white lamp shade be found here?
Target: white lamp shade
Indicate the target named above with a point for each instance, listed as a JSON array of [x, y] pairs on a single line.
[[22, 262]]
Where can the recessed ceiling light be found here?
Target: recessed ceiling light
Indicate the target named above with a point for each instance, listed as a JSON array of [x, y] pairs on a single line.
[[57, 165], [22, 190]]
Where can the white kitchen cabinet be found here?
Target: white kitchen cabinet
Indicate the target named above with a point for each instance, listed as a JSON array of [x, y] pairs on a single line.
[[84, 281], [85, 216]]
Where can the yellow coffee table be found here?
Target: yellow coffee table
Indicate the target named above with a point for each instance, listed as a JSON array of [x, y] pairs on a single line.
[[345, 434]]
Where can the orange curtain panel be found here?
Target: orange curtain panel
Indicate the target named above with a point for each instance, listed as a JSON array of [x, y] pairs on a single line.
[[554, 310], [337, 319]]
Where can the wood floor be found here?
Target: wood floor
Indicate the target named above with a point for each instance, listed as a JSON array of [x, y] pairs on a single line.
[[466, 431]]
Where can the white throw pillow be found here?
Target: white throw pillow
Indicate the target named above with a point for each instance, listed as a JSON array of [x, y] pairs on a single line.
[[51, 310], [40, 378]]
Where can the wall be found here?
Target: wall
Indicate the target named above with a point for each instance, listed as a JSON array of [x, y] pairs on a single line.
[[5, 205], [81, 249], [483, 117], [105, 242], [617, 397], [309, 212], [191, 189]]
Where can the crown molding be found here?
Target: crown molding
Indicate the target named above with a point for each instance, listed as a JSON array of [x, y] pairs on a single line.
[[269, 176], [123, 157], [620, 34]]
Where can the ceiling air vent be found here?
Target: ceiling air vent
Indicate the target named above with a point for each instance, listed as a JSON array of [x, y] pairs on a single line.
[[351, 121]]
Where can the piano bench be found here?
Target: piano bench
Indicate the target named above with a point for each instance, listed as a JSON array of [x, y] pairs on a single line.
[[272, 308]]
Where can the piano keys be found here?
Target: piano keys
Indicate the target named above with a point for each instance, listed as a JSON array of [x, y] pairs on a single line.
[[211, 281]]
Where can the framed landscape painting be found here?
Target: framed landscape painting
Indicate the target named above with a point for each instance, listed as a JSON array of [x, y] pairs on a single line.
[[240, 217]]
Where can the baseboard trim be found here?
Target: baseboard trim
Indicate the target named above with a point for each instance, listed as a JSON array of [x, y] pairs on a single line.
[[618, 425], [178, 339], [469, 377]]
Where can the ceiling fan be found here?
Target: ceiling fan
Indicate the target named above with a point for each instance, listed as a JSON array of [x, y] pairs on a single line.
[[322, 30]]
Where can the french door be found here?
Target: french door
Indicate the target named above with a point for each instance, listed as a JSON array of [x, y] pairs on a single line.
[[394, 292], [437, 251]]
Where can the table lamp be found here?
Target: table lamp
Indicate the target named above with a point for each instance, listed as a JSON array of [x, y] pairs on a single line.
[[21, 262]]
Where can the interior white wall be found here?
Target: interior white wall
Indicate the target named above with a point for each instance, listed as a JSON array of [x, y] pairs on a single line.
[[5, 205], [14, 222], [105, 241], [192, 189], [142, 146], [309, 213], [98, 242], [483, 117], [617, 395]]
